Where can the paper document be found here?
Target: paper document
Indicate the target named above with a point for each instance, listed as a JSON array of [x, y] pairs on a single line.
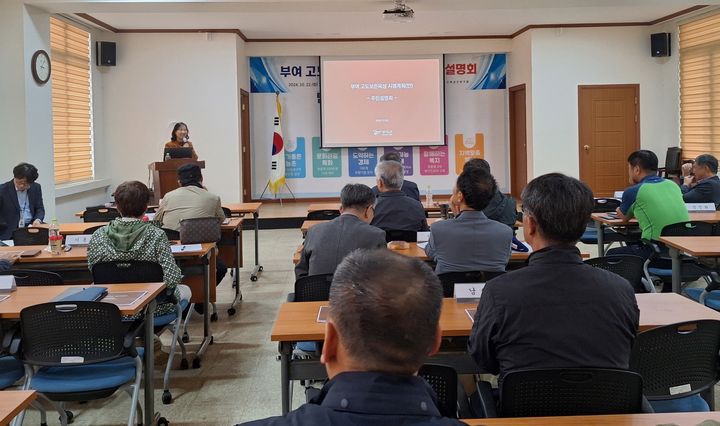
[[124, 298], [182, 248], [9, 243], [423, 236], [4, 297], [422, 245], [322, 314], [471, 313]]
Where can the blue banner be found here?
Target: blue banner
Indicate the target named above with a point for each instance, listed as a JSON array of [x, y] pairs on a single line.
[[362, 161], [295, 158]]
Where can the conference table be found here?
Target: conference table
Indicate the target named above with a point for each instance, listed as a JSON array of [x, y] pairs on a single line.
[[198, 264], [643, 419], [307, 224], [230, 231], [297, 321], [254, 209], [23, 297], [694, 246], [434, 207], [12, 402], [603, 219]]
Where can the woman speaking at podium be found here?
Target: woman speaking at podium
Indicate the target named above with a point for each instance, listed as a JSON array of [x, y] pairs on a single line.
[[180, 139]]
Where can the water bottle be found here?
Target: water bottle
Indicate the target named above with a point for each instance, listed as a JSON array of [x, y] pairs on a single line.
[[54, 238], [428, 197], [167, 156]]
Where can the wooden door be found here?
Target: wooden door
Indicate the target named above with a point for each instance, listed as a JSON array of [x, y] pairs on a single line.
[[609, 130], [245, 146], [518, 140]]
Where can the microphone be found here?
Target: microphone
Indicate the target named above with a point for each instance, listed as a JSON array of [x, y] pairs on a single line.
[[186, 139]]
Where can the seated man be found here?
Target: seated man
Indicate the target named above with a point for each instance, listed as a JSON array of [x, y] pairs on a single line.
[[21, 202], [502, 208], [471, 241], [394, 210], [408, 187], [190, 201], [703, 185], [382, 324], [130, 238], [557, 311], [327, 243], [654, 201]]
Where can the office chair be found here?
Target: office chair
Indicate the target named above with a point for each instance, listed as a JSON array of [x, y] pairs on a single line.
[[658, 268], [677, 363], [673, 163], [323, 214], [100, 214], [30, 236], [32, 277], [627, 266], [452, 401], [400, 235], [92, 335], [564, 392], [171, 234], [227, 212], [92, 229], [312, 288], [138, 271], [604, 205], [449, 279]]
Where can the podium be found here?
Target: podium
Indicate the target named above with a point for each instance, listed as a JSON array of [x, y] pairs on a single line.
[[164, 175]]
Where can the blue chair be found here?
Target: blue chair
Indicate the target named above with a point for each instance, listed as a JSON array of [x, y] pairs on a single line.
[[604, 205], [678, 362], [79, 351], [116, 272], [312, 288]]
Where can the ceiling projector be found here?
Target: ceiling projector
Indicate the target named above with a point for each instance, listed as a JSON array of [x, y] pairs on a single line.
[[400, 13]]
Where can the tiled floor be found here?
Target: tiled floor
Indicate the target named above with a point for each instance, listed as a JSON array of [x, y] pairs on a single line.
[[240, 377]]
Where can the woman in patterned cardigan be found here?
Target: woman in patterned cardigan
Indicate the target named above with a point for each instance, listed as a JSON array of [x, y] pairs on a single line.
[[130, 238]]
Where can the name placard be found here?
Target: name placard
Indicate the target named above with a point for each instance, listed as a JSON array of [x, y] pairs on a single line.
[[7, 284], [468, 292], [77, 240], [700, 207]]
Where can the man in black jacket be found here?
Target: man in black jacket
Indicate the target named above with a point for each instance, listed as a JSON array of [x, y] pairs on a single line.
[[557, 312], [703, 186], [409, 188], [21, 202], [394, 210], [382, 324]]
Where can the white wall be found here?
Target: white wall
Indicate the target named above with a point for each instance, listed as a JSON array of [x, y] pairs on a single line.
[[164, 78], [562, 59], [520, 72]]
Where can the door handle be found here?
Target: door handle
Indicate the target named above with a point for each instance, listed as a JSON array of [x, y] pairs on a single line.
[[587, 148]]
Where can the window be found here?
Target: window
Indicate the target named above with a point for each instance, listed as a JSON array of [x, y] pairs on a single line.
[[71, 102]]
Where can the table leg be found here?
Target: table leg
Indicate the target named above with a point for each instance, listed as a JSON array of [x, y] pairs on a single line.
[[207, 335], [149, 362], [285, 356], [258, 268], [600, 238], [236, 278], [676, 266]]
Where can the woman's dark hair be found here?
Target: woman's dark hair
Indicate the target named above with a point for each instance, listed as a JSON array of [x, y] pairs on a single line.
[[26, 171], [132, 198], [175, 129]]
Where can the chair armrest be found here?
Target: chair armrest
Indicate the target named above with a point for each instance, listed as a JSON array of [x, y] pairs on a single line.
[[714, 282], [291, 297], [11, 340], [486, 398], [129, 341]]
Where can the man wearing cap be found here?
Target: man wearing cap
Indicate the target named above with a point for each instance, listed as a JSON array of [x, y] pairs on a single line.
[[190, 201]]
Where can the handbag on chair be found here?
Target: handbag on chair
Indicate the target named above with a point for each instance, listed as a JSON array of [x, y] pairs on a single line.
[[200, 230]]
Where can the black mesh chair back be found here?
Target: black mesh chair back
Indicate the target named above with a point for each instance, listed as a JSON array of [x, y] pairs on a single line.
[[570, 392], [100, 214], [605, 205], [673, 161], [30, 236], [449, 279], [151, 210], [323, 214], [226, 211], [31, 277], [627, 266], [53, 331], [172, 235], [692, 228], [400, 235], [313, 288], [91, 230], [127, 271], [683, 354], [444, 381]]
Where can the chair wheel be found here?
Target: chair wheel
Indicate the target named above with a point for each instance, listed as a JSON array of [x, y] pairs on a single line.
[[231, 311], [184, 364], [212, 339], [214, 317], [196, 363], [253, 278], [69, 415], [260, 268], [162, 421], [185, 337], [43, 424], [166, 397], [239, 295]]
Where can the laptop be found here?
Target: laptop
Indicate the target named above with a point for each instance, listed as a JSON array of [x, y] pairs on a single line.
[[178, 152]]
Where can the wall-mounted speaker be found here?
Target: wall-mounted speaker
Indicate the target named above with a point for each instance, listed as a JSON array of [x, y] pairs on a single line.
[[660, 44], [105, 53]]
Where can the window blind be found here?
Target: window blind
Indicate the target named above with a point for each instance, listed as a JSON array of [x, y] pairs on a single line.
[[71, 102]]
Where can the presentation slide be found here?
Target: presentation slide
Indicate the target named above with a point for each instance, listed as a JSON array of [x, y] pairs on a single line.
[[382, 102]]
